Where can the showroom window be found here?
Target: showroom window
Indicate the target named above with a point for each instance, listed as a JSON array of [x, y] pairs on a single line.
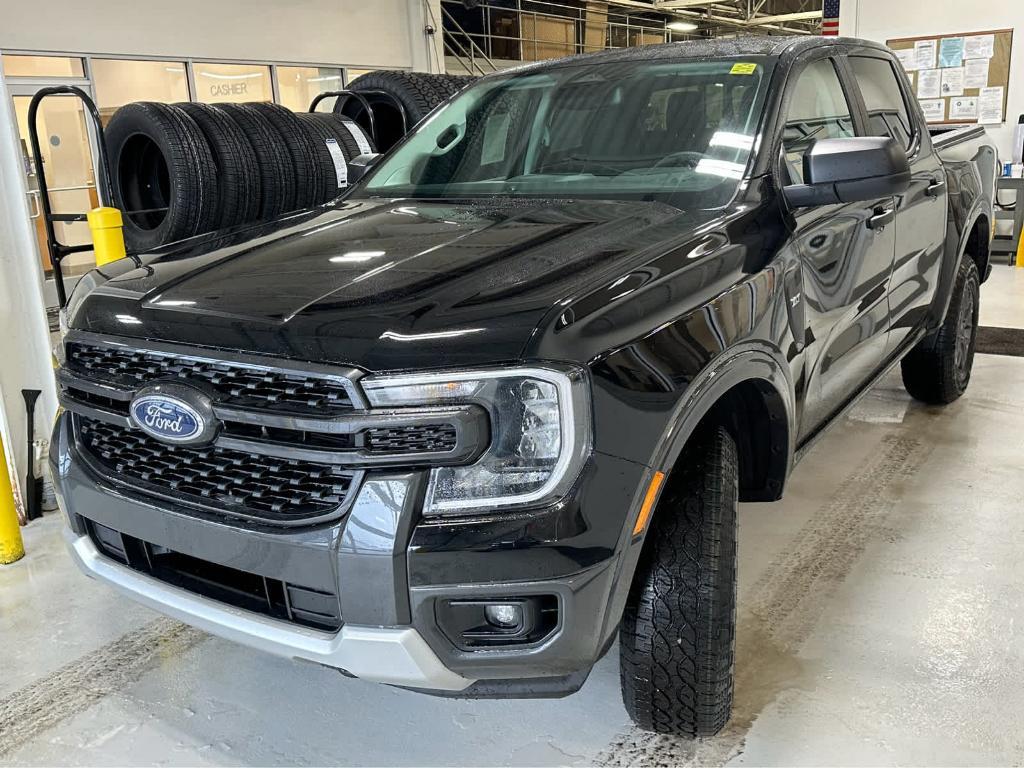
[[818, 109], [887, 109], [297, 86], [16, 65], [120, 81], [232, 82], [352, 74]]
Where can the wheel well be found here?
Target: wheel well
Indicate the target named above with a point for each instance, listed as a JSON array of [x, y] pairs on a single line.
[[754, 414], [978, 244]]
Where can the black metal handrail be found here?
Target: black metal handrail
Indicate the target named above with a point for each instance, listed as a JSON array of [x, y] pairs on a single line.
[[57, 250]]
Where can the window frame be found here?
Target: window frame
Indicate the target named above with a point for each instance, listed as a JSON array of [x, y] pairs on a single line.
[[836, 56]]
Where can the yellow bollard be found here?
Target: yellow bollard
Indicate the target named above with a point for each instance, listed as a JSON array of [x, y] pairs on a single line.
[[1020, 251], [12, 548], [107, 230]]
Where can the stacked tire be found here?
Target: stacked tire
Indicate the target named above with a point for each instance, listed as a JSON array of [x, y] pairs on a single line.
[[389, 94], [180, 170]]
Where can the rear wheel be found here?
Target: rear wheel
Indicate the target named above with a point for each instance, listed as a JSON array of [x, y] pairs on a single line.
[[678, 631], [938, 370]]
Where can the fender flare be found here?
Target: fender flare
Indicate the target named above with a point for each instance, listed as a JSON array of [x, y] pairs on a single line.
[[944, 293], [750, 361]]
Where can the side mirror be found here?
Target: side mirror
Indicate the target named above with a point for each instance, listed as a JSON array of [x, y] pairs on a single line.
[[850, 171], [359, 165]]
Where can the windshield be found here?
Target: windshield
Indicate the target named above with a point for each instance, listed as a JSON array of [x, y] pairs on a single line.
[[679, 132]]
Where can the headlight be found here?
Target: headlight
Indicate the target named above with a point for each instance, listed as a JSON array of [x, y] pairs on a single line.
[[540, 433]]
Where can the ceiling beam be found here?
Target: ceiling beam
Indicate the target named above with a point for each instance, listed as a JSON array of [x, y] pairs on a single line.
[[713, 19], [675, 5], [784, 17]]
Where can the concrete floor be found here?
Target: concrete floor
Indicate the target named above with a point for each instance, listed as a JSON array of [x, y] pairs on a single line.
[[880, 607]]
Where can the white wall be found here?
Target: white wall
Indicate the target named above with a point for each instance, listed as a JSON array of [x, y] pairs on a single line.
[[361, 33], [882, 20], [24, 333]]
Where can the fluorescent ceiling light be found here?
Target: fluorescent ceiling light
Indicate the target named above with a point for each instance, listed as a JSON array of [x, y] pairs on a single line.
[[682, 26]]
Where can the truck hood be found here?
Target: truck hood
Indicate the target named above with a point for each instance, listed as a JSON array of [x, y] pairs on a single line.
[[383, 285]]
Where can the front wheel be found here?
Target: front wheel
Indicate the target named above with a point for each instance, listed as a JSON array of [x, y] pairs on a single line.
[[678, 630], [938, 370]]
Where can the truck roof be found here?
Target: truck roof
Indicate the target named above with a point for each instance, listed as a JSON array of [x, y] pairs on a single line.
[[749, 45]]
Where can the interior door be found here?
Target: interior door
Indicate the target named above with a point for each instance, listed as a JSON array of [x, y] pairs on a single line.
[[846, 254], [66, 140]]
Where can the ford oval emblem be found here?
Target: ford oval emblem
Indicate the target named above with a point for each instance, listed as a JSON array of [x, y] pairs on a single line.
[[167, 418]]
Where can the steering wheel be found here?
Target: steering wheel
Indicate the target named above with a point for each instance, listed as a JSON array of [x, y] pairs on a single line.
[[684, 158]]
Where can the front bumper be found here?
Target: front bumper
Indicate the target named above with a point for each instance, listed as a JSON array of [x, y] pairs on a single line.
[[398, 656], [391, 570]]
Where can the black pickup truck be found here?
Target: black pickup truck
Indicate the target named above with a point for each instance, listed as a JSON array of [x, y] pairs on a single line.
[[493, 409]]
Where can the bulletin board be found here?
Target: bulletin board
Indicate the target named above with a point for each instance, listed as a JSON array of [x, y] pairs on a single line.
[[961, 78]]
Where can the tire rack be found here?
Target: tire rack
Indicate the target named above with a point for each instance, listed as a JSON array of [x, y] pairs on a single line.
[[56, 250], [360, 96]]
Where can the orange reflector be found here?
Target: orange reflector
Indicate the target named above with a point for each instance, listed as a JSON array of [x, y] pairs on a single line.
[[648, 505]]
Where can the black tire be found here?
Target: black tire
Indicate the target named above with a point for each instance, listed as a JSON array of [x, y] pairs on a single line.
[[295, 138], [938, 370], [677, 635], [238, 178], [164, 177], [276, 171], [349, 133], [362, 144], [322, 136], [417, 92]]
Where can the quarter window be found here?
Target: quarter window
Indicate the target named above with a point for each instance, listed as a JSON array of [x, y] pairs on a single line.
[[887, 108], [818, 109]]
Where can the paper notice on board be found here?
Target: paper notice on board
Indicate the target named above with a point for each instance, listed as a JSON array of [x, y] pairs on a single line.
[[934, 110], [990, 106], [908, 58], [963, 108], [951, 52], [953, 82], [927, 52], [976, 73], [929, 84], [980, 47]]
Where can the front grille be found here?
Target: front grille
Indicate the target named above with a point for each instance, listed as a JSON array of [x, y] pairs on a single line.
[[282, 600], [423, 438], [242, 385], [229, 482]]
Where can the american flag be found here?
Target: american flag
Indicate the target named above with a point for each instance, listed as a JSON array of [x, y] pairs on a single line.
[[830, 19]]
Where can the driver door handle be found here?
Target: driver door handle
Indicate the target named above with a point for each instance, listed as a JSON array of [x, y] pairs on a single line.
[[882, 217], [936, 188]]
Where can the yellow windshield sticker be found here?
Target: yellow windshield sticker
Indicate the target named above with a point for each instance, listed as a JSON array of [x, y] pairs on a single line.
[[743, 69]]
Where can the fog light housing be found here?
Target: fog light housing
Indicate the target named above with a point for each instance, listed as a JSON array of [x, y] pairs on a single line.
[[504, 615], [502, 622]]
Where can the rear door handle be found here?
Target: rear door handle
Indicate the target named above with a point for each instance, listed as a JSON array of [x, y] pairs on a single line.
[[882, 217], [936, 188]]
